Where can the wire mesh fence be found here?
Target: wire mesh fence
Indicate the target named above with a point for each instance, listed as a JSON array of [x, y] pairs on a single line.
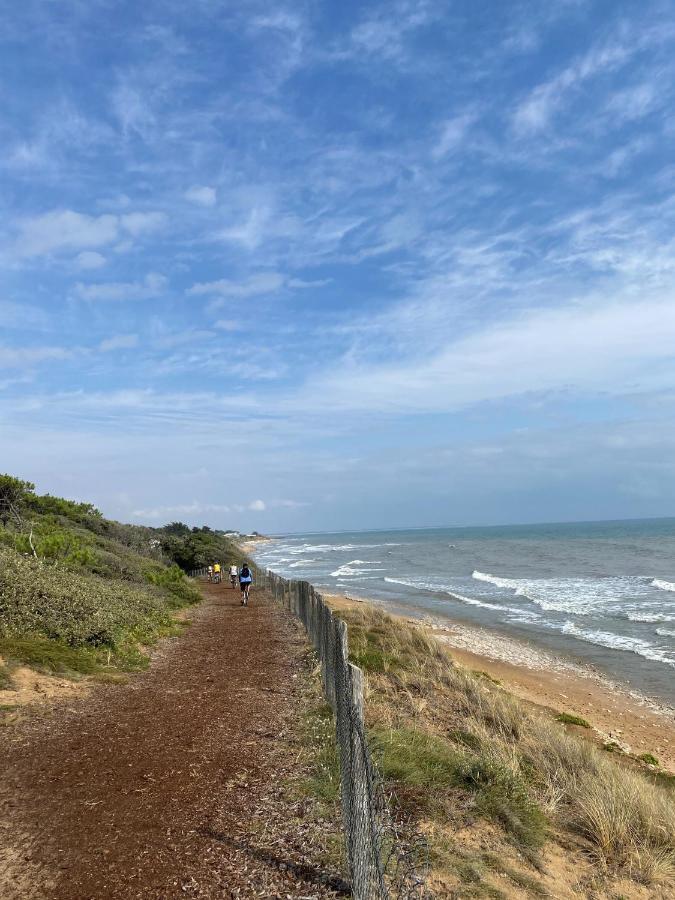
[[386, 860], [383, 861]]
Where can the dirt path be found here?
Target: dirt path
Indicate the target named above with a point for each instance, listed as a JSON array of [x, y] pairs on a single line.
[[169, 786]]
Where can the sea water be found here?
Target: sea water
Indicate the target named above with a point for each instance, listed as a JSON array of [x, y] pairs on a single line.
[[602, 593]]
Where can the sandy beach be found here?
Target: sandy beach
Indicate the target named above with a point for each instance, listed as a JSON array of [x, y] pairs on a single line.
[[550, 682]]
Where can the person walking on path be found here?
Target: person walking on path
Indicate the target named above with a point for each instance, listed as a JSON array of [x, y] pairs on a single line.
[[245, 581], [234, 574]]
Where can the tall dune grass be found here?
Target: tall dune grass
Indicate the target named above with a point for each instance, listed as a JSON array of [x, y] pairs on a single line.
[[440, 727]]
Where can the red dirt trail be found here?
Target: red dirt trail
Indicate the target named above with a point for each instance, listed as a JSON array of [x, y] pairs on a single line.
[[170, 785]]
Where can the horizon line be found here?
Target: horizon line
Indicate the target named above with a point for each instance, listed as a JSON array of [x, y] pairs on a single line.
[[466, 527]]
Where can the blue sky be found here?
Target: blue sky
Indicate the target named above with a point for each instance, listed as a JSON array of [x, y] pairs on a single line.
[[325, 266]]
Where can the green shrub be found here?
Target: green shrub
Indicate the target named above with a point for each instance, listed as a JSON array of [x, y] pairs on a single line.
[[569, 719], [37, 599], [649, 758], [58, 506], [13, 494], [173, 580]]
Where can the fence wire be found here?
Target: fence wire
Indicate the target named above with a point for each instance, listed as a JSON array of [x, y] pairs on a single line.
[[386, 860]]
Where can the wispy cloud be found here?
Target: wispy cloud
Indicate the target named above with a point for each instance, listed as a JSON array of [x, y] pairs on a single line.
[[253, 285], [68, 230], [201, 196], [336, 249], [153, 285], [119, 342]]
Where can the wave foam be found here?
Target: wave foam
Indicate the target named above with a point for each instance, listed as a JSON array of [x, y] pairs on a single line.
[[621, 596], [494, 579], [444, 589], [665, 632], [619, 642], [663, 585], [347, 569], [649, 618]]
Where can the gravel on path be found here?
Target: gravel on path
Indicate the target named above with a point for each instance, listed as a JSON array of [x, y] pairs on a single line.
[[175, 784]]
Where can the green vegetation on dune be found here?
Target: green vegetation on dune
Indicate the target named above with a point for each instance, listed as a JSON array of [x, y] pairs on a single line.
[[457, 750], [79, 592]]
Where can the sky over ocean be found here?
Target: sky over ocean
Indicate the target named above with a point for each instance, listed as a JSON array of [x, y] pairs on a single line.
[[339, 265]]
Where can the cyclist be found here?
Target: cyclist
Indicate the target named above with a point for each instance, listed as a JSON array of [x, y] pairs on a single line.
[[209, 572], [234, 574], [245, 581], [216, 573]]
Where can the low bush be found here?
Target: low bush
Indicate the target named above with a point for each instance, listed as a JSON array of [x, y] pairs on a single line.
[[174, 581], [38, 600], [569, 719], [648, 758]]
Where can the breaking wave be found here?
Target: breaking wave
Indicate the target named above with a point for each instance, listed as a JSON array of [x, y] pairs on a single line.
[[663, 585], [444, 589], [619, 642]]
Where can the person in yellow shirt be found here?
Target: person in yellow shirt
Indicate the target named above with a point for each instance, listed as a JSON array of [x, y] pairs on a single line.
[[216, 573]]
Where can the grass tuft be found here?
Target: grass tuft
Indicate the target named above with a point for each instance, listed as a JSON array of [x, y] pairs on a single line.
[[49, 656], [426, 761], [450, 742], [649, 758], [319, 740], [569, 719]]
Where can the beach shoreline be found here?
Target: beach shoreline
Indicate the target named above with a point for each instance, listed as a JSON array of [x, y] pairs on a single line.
[[618, 716]]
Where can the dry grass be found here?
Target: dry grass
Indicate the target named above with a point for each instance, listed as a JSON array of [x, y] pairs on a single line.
[[454, 741]]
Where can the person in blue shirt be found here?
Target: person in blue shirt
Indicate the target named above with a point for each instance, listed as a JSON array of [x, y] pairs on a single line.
[[245, 582]]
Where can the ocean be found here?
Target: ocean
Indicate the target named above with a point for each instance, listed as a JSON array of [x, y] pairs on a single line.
[[601, 593]]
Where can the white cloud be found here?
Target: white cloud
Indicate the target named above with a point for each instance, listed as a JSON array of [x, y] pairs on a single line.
[[90, 259], [385, 32], [22, 357], [257, 505], [280, 20], [182, 509], [614, 347], [119, 342], [152, 285], [300, 283], [132, 108], [249, 233], [453, 134], [634, 102], [262, 283], [138, 223], [536, 110], [227, 325], [64, 229], [201, 196]]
